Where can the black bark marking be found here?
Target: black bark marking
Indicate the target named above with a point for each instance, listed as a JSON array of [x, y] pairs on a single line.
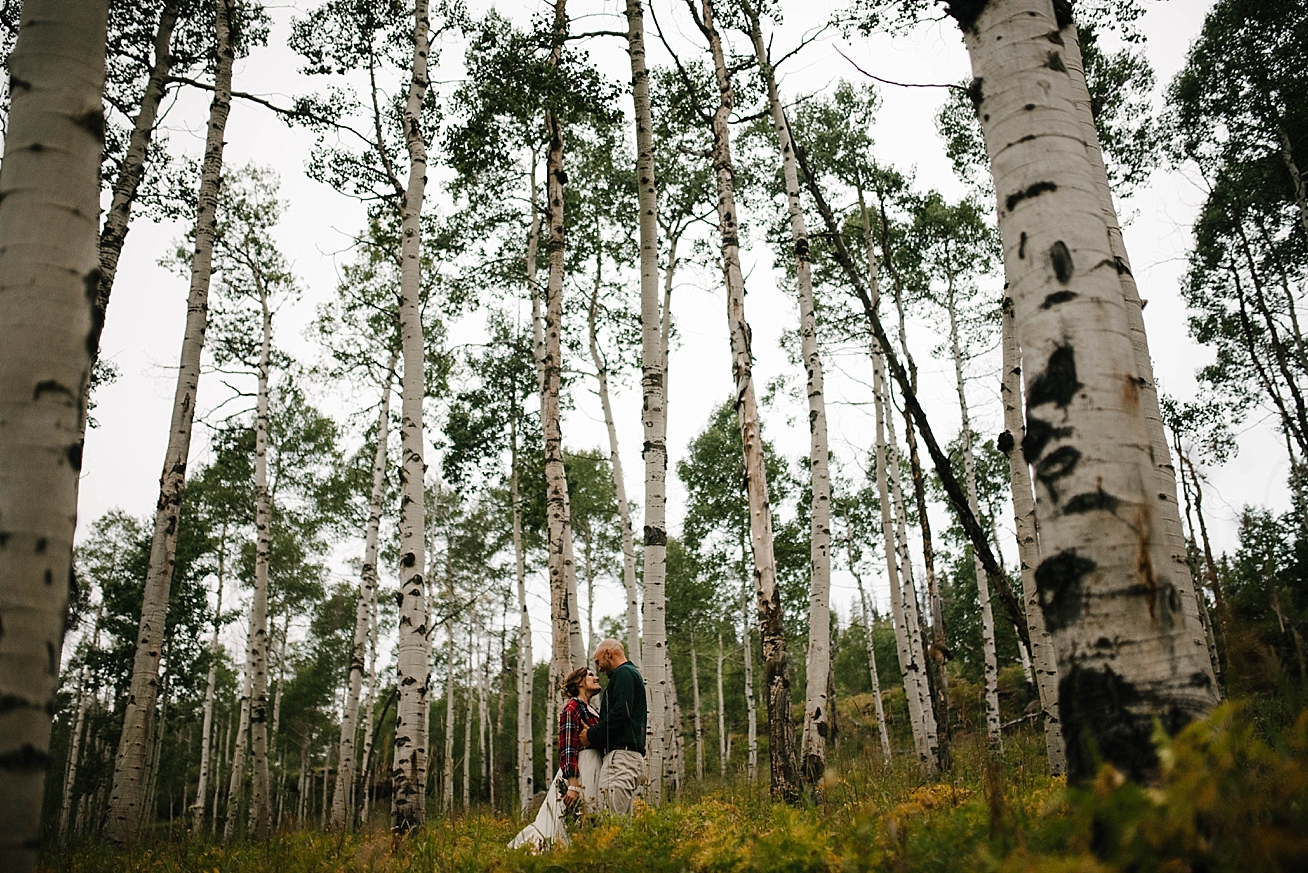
[[975, 93], [74, 455], [4, 538], [1058, 297], [1091, 502], [1006, 442], [1033, 190], [25, 760], [48, 577], [1061, 259], [12, 703], [92, 121], [408, 559], [1055, 63], [655, 536], [1055, 37], [1108, 719], [1039, 433], [801, 248], [50, 386], [1021, 247], [1030, 137], [1030, 107], [966, 12], [41, 545], [17, 84], [1059, 583], [1060, 463], [1063, 13], [1057, 384]]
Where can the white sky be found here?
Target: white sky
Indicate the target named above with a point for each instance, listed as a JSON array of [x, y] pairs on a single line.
[[144, 326]]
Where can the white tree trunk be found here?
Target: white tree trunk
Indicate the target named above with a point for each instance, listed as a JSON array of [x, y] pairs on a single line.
[[257, 642], [751, 708], [1028, 545], [785, 784], [126, 796], [994, 736], [872, 669], [1168, 505], [1110, 590], [652, 656], [236, 784], [526, 666], [722, 717], [912, 611], [197, 808], [447, 781], [132, 169], [467, 720], [816, 727], [409, 767], [699, 712], [370, 703], [84, 698], [344, 789]]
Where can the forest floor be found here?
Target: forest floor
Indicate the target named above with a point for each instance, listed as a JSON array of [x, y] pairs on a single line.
[[1233, 796]]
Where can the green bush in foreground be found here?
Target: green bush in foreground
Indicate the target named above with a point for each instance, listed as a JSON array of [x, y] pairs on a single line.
[[1226, 800]]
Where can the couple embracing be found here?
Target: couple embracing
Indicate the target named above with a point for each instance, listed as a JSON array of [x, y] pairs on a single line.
[[601, 753]]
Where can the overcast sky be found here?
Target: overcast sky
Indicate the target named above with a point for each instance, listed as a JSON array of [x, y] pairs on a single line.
[[143, 332]]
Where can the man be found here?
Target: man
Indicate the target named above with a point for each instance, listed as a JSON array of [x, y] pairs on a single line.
[[619, 735]]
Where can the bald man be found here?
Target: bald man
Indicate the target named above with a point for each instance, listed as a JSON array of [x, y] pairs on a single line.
[[619, 735]]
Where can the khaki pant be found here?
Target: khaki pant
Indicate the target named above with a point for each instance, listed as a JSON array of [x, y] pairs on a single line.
[[620, 775]]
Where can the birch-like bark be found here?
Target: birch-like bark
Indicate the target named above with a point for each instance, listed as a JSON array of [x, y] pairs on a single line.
[[785, 782], [1164, 486], [699, 712], [653, 380], [132, 169], [1028, 546], [447, 782], [236, 784], [526, 742], [722, 717], [912, 613], [84, 698], [751, 707], [257, 642], [1109, 587], [364, 780], [126, 796], [872, 670], [409, 767], [197, 808], [341, 804], [467, 720], [568, 648], [816, 727], [994, 736], [619, 487], [909, 666]]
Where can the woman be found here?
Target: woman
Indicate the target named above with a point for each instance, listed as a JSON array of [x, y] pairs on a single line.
[[575, 785]]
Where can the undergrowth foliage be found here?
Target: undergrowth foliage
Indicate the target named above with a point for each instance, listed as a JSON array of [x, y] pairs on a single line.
[[1232, 797]]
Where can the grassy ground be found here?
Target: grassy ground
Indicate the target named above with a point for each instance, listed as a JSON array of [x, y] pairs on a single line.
[[1233, 797]]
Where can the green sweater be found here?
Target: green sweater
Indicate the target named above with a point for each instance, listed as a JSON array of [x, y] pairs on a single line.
[[623, 713]]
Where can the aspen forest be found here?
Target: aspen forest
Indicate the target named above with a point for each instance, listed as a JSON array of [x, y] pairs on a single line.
[[974, 539]]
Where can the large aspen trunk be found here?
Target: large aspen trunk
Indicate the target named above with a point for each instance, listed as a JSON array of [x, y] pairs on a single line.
[[341, 796], [526, 742], [1167, 503], [197, 808], [994, 736], [653, 381], [132, 169], [257, 643], [816, 727], [364, 780], [1028, 546], [127, 794], [1111, 592], [409, 767], [785, 782], [568, 648]]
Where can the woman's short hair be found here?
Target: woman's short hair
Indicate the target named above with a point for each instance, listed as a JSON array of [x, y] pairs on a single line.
[[572, 684]]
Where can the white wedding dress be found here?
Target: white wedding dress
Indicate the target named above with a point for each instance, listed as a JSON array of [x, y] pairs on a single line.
[[550, 824]]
